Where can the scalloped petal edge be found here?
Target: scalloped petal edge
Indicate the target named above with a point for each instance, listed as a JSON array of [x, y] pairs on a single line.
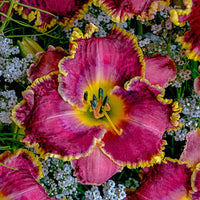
[[35, 15], [154, 7], [191, 54], [176, 12], [193, 177], [157, 158], [35, 160]]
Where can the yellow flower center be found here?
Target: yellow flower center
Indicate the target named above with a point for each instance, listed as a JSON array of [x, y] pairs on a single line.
[[102, 108]]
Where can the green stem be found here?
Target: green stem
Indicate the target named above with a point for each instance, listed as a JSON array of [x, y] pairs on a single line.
[[139, 27], [8, 15]]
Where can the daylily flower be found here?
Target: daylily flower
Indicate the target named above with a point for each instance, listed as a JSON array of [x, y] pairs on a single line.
[[46, 13], [173, 179], [122, 10], [18, 176], [190, 41], [99, 111]]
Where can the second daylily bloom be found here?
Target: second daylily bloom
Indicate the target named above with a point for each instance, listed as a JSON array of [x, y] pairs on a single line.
[[18, 174], [190, 41], [122, 10], [99, 111]]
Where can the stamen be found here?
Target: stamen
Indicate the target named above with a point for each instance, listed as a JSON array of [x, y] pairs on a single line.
[[93, 104], [105, 101], [85, 96], [119, 132], [94, 99], [100, 93]]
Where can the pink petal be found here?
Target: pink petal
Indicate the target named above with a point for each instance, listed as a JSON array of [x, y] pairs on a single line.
[[52, 125], [115, 59], [192, 148], [46, 62], [144, 123], [94, 169], [20, 184], [190, 41], [67, 12], [4, 9], [122, 10], [197, 85], [169, 180], [160, 70]]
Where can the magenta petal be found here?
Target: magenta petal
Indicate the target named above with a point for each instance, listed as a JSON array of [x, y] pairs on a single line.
[[52, 125], [169, 180], [160, 70], [114, 59], [46, 62], [191, 151], [67, 11], [20, 184], [190, 41], [94, 169], [143, 127], [197, 85], [122, 10]]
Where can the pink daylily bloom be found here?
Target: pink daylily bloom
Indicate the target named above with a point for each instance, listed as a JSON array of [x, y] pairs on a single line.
[[160, 70], [190, 41], [46, 62], [122, 10], [64, 12], [18, 177], [192, 148], [169, 180], [99, 105]]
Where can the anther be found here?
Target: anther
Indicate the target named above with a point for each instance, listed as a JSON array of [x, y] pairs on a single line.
[[93, 104], [85, 96], [105, 101], [100, 93], [94, 99]]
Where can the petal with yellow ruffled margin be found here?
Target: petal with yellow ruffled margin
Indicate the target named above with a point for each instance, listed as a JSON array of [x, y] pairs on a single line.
[[197, 85], [18, 176], [145, 121], [46, 14], [192, 148], [94, 169], [46, 62], [169, 180], [122, 10], [113, 60], [190, 41], [160, 70], [196, 182], [52, 126]]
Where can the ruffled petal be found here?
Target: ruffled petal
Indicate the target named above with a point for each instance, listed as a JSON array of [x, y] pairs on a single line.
[[99, 61], [146, 119], [122, 10], [190, 41], [169, 180], [52, 125], [67, 11], [18, 181], [192, 148], [46, 62], [197, 85], [160, 70], [94, 169]]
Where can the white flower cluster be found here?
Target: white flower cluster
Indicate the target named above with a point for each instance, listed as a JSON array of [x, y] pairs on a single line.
[[12, 68], [182, 76], [191, 111], [8, 100], [109, 192], [58, 181]]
